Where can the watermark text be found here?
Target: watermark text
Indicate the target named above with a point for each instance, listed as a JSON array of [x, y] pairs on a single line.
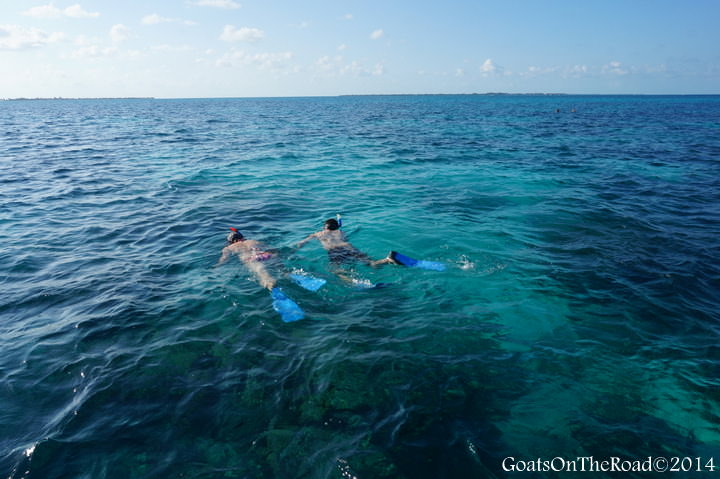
[[611, 464]]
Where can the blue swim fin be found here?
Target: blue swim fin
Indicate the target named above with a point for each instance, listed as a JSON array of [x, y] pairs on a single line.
[[307, 281], [416, 263], [288, 309]]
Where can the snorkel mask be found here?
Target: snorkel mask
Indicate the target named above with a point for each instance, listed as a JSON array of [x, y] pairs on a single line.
[[234, 236]]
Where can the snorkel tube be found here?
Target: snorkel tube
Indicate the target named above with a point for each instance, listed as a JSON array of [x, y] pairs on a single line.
[[339, 220]]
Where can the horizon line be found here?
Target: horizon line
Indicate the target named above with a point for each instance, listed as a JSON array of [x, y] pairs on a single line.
[[352, 95]]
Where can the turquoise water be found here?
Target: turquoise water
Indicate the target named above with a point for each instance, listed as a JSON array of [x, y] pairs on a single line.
[[579, 314]]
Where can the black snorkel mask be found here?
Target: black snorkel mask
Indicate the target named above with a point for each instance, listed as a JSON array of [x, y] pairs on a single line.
[[235, 236]]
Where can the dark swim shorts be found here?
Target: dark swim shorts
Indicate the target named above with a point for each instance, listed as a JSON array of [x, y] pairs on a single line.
[[345, 254]]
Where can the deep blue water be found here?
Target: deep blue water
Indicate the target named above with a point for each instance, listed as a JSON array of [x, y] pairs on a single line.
[[579, 314]]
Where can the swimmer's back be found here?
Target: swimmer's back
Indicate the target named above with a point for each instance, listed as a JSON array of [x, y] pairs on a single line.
[[331, 239]]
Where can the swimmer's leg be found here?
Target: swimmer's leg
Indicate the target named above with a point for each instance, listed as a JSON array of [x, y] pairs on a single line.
[[387, 260], [340, 272], [360, 256], [261, 273], [381, 262]]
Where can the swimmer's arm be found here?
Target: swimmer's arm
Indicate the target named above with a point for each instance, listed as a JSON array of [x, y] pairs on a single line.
[[224, 257], [300, 244]]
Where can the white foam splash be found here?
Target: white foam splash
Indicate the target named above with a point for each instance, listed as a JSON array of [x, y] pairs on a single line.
[[29, 451], [466, 263], [362, 283]]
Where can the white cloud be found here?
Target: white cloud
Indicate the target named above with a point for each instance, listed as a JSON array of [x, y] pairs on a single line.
[[355, 68], [263, 61], [348, 16], [15, 37], [459, 72], [242, 34], [377, 34], [614, 68], [536, 71], [336, 66], [76, 11], [342, 47], [352, 68], [327, 63], [226, 4], [93, 51], [43, 11], [576, 71], [155, 19], [51, 11], [119, 33], [488, 67]]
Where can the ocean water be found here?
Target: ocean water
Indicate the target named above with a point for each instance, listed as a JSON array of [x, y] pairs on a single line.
[[579, 314]]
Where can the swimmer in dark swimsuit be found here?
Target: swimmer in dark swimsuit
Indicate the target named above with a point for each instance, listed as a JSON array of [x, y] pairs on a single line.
[[339, 249], [252, 254], [347, 254]]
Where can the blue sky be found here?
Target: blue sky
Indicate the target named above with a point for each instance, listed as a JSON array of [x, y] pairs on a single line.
[[241, 48]]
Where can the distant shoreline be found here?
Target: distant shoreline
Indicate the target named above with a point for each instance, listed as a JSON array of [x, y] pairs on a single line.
[[81, 98], [331, 96]]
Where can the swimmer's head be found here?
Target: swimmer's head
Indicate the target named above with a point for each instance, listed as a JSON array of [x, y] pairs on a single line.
[[235, 236], [332, 224]]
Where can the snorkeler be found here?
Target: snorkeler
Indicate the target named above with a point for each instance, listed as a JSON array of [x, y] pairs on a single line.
[[252, 254], [339, 248], [340, 251]]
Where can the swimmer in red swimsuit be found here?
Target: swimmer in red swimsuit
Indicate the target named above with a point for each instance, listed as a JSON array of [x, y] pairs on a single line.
[[252, 254]]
